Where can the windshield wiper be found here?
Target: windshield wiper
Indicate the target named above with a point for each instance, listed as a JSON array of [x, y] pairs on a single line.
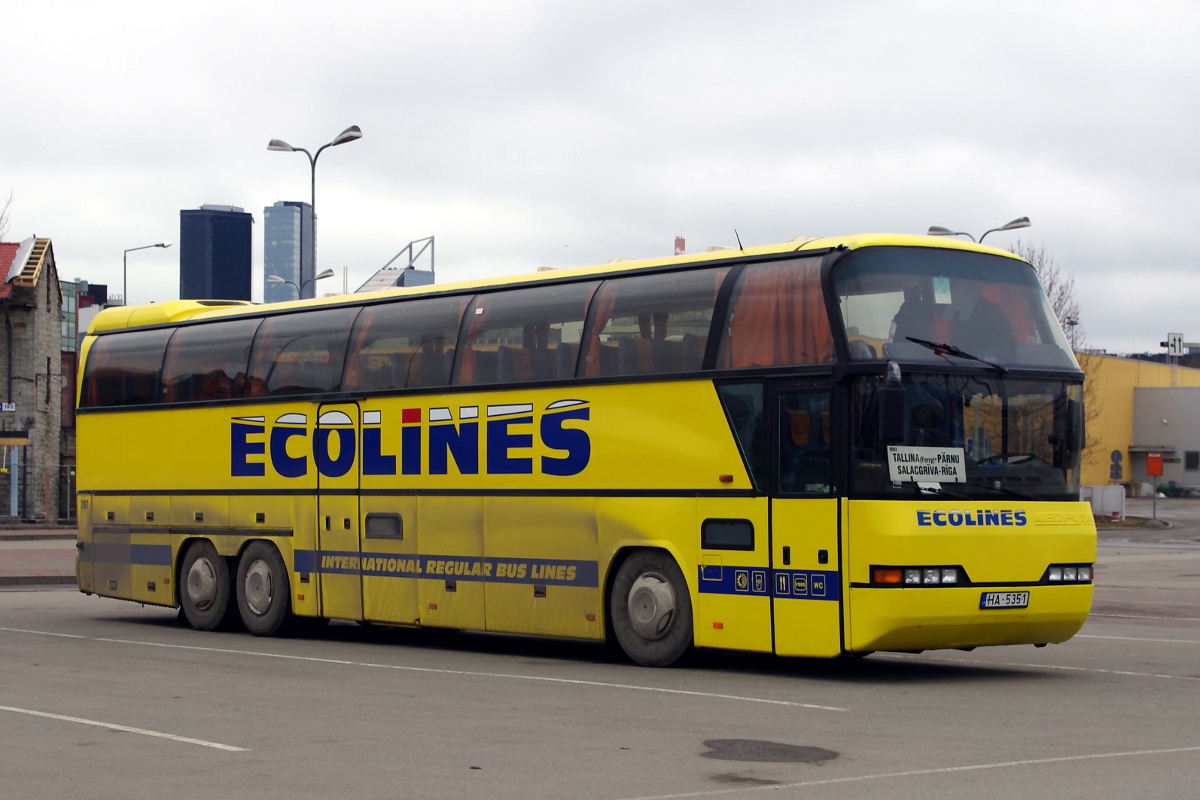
[[943, 349], [938, 490]]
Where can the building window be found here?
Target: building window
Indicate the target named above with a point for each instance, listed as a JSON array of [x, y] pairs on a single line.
[[1191, 459]]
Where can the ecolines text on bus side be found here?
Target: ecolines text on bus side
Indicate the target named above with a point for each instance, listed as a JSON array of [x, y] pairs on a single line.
[[431, 437]]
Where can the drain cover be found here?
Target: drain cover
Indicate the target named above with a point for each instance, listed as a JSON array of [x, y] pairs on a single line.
[[759, 750]]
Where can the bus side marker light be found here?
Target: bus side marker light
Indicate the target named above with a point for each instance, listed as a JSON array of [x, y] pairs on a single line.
[[300, 597], [590, 617], [725, 478], [433, 606], [886, 576], [719, 625]]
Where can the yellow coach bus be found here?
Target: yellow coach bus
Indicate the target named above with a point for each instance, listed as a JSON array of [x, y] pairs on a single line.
[[820, 448]]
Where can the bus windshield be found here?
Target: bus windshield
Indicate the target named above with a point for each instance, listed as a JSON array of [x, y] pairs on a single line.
[[987, 306], [977, 437]]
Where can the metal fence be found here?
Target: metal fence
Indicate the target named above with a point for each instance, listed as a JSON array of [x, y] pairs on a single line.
[[33, 492]]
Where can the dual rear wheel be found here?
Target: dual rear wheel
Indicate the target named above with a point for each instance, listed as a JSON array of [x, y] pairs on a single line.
[[214, 594]]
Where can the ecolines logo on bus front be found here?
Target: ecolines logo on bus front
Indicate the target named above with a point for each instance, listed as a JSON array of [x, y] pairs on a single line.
[[1006, 517], [431, 437]]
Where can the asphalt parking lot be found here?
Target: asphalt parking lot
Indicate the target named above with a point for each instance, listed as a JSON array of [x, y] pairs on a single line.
[[109, 699]]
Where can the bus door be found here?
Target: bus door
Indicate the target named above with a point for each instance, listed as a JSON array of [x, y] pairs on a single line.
[[335, 449], [390, 563], [804, 525]]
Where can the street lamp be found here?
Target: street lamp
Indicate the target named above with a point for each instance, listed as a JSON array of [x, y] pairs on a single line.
[[328, 273], [125, 268], [1020, 222], [348, 135]]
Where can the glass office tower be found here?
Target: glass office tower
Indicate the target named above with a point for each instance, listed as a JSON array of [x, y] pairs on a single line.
[[288, 244], [214, 253]]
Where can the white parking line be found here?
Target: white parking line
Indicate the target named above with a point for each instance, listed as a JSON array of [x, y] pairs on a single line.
[[45, 633], [469, 673], [1137, 639], [1059, 667], [916, 773], [1143, 616], [126, 729], [436, 671]]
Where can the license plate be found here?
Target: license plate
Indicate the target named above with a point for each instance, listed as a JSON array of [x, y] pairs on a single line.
[[1004, 600]]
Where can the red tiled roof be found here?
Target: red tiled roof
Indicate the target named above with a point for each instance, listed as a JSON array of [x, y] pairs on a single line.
[[8, 251]]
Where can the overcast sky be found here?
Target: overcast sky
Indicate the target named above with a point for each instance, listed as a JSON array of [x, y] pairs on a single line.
[[564, 133]]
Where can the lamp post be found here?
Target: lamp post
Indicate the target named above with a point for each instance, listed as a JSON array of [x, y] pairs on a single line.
[[328, 273], [348, 135], [1020, 222], [125, 268]]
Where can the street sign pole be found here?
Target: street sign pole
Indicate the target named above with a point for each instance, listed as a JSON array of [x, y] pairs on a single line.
[[1154, 469]]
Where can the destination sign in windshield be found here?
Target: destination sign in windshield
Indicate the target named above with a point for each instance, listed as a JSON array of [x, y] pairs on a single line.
[[927, 464]]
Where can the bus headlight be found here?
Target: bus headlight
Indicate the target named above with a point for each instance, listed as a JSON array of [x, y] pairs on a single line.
[[1068, 573]]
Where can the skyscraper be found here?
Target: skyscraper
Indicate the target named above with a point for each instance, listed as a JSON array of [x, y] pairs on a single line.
[[214, 253], [288, 239]]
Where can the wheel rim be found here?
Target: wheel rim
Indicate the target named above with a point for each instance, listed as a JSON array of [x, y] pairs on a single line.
[[259, 587], [651, 606], [202, 584]]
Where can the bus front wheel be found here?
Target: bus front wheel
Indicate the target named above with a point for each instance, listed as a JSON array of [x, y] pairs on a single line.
[[263, 590], [651, 610], [204, 586]]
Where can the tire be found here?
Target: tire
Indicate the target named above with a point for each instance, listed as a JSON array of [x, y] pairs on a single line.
[[204, 587], [264, 592], [651, 609]]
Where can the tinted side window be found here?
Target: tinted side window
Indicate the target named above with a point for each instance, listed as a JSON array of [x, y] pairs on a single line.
[[645, 324], [777, 317], [208, 362], [408, 344], [123, 369], [529, 334], [299, 353], [804, 436]]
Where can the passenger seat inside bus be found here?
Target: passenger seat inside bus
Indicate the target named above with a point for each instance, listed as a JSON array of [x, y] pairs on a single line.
[[565, 356], [515, 364]]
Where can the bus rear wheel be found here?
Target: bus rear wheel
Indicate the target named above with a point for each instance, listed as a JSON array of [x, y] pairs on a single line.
[[204, 588], [651, 610], [263, 590]]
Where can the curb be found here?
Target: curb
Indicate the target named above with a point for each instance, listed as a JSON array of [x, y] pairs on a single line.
[[37, 580], [8, 536]]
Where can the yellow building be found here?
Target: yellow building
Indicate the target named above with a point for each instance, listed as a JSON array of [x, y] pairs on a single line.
[[1109, 394]]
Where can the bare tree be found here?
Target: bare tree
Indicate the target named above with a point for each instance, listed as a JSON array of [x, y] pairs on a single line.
[[4, 216], [1059, 286]]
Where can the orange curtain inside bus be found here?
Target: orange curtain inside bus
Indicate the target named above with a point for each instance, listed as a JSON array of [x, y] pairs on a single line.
[[779, 318]]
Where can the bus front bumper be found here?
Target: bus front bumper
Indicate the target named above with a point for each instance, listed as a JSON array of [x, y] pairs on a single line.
[[921, 618]]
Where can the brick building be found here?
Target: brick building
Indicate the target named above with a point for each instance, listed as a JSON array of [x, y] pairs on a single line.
[[30, 380]]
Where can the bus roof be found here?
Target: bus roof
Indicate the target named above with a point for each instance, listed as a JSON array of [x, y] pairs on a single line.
[[171, 311]]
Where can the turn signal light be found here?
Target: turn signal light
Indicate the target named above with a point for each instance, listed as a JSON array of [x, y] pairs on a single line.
[[885, 575]]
